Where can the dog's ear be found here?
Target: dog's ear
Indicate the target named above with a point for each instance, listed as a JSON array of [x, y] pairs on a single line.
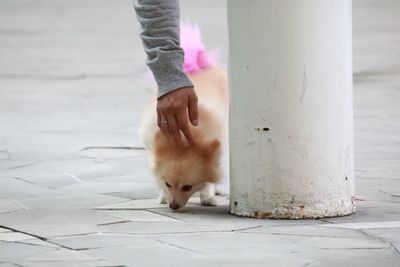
[[160, 144], [212, 149], [211, 154], [215, 145]]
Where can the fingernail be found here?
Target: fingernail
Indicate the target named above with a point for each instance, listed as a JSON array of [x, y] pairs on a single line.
[[196, 122]]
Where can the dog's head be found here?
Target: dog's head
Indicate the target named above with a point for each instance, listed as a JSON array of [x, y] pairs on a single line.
[[184, 170]]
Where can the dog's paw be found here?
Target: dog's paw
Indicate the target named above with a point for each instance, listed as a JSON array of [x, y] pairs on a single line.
[[162, 199], [218, 191], [208, 201]]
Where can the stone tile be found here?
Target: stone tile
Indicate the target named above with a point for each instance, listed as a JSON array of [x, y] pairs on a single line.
[[151, 255], [363, 261], [14, 236], [254, 243], [391, 235], [136, 175], [97, 241], [224, 253], [209, 249], [9, 205], [132, 169], [369, 211], [231, 242], [44, 179], [15, 189], [370, 170], [8, 265], [62, 255], [139, 204], [366, 225], [68, 201], [48, 223], [342, 243], [239, 246], [307, 230], [397, 246], [69, 166], [4, 230], [38, 242], [17, 252], [67, 263], [4, 155], [148, 193], [177, 227], [138, 215], [111, 152], [378, 189], [103, 187], [60, 145], [392, 191], [375, 198], [16, 163], [250, 259], [72, 212]]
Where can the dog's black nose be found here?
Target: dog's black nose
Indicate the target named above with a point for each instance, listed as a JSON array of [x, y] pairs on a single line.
[[174, 206]]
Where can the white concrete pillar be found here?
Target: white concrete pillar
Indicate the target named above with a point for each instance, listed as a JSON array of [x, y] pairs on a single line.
[[291, 108]]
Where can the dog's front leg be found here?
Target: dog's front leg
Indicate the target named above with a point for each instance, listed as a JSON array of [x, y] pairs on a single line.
[[162, 198], [207, 195]]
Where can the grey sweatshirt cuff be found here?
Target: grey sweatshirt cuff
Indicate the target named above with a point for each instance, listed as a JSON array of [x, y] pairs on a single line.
[[160, 35], [168, 72]]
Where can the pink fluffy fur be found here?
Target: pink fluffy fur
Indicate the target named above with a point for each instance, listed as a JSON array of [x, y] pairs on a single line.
[[196, 57]]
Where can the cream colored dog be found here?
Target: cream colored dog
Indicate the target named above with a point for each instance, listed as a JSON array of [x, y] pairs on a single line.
[[182, 170]]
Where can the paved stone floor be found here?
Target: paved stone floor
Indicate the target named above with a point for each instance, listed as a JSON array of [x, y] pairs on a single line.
[[75, 189]]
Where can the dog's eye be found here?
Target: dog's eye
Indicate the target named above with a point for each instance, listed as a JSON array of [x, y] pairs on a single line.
[[186, 188], [167, 184]]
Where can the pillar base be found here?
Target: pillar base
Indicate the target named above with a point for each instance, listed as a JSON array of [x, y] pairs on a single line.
[[296, 212]]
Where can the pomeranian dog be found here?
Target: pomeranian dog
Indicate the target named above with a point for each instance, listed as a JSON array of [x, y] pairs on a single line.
[[184, 170]]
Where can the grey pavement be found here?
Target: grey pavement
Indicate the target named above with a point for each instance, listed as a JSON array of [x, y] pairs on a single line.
[[75, 187]]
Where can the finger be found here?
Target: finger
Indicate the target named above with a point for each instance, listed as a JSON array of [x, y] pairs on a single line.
[[184, 126], [164, 127], [193, 111], [158, 118], [173, 130]]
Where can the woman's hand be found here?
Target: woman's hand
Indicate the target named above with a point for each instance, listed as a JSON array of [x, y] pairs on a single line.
[[174, 110]]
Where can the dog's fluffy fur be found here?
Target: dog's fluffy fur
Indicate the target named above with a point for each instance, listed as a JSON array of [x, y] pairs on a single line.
[[198, 165]]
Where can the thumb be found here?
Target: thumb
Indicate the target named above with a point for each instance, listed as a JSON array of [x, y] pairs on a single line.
[[193, 111]]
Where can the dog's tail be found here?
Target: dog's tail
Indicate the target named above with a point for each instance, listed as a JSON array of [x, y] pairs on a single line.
[[196, 57]]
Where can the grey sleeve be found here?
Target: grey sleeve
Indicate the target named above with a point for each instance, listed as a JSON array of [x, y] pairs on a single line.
[[160, 35]]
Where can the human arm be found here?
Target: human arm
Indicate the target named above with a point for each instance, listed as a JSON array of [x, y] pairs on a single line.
[[159, 20]]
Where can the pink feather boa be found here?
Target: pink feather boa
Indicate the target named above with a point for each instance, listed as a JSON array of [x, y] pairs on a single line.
[[196, 57]]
